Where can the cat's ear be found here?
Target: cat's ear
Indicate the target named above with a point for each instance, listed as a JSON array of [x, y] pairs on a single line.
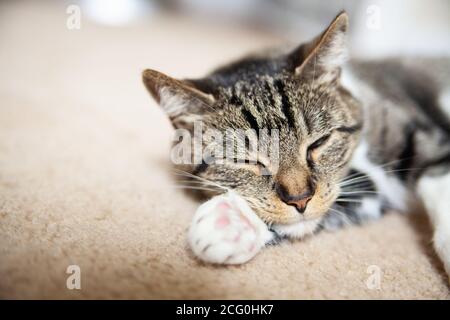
[[181, 100], [324, 54]]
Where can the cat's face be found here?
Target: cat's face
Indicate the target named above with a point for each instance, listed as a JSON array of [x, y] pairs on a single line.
[[297, 94], [318, 129]]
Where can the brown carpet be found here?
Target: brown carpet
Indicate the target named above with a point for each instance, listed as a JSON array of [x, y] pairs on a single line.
[[84, 180]]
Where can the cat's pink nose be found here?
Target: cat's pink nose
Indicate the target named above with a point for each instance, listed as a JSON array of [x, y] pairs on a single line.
[[301, 204], [299, 201]]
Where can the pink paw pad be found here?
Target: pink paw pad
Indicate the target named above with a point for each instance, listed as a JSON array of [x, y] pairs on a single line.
[[222, 221], [224, 207]]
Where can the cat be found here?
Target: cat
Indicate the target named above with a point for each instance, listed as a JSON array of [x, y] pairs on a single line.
[[356, 138]]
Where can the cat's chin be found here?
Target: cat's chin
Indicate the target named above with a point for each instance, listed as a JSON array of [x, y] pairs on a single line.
[[298, 229]]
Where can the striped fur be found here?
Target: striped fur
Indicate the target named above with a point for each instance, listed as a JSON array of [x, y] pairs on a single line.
[[356, 136]]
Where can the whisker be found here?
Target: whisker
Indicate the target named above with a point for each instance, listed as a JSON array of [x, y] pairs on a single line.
[[381, 166], [355, 183], [346, 182], [360, 192], [348, 200], [195, 188], [341, 214], [187, 174], [359, 176], [366, 176], [196, 182]]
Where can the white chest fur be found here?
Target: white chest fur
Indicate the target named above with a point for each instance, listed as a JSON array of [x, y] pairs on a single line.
[[388, 186]]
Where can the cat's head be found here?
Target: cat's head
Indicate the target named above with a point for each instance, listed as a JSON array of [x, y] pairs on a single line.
[[300, 96]]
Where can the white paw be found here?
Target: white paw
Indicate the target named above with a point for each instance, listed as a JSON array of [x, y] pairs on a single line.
[[435, 193], [442, 245], [225, 230]]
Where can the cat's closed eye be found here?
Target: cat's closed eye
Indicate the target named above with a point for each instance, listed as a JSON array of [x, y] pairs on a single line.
[[312, 149]]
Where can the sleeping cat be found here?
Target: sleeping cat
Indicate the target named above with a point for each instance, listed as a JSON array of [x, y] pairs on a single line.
[[355, 137]]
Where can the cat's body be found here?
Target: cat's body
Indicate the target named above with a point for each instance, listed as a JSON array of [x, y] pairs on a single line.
[[356, 138], [406, 130]]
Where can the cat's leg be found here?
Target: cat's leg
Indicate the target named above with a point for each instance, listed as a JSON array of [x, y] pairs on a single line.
[[225, 230], [434, 191]]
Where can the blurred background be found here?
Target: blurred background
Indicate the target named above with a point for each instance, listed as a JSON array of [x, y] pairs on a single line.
[[379, 27], [84, 150], [191, 36]]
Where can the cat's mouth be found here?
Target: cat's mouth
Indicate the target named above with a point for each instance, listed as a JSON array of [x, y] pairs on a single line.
[[273, 211], [289, 218], [298, 229], [318, 207]]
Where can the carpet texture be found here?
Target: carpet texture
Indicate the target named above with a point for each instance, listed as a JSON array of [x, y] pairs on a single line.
[[84, 177]]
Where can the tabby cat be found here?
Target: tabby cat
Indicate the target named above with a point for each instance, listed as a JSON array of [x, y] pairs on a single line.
[[356, 138]]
